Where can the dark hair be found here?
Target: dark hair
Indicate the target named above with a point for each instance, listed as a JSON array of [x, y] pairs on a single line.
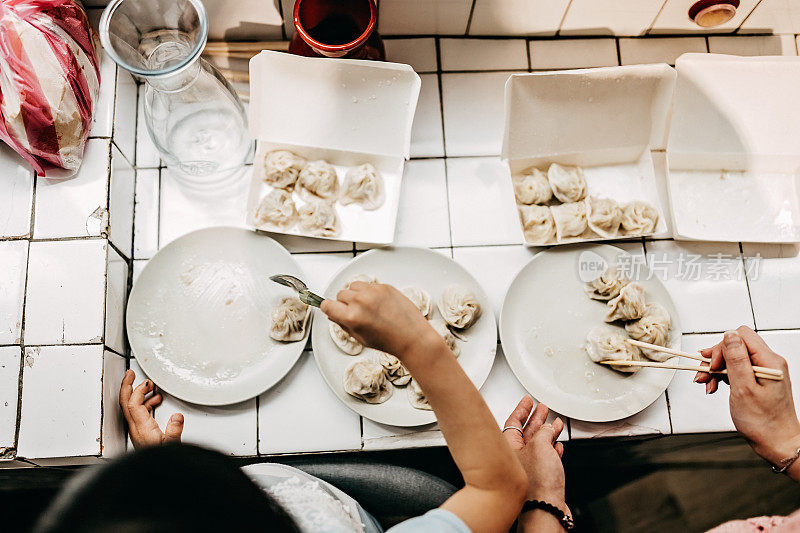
[[167, 488]]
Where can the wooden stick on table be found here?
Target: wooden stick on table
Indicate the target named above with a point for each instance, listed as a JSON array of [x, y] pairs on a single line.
[[653, 364]]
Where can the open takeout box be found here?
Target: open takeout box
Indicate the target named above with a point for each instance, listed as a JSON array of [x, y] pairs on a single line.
[[347, 112], [734, 149], [605, 120]]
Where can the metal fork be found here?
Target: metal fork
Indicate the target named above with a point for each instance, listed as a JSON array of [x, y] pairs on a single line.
[[305, 295]]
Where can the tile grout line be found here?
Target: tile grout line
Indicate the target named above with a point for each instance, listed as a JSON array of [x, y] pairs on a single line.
[[469, 18], [653, 22], [747, 284], [22, 353], [561, 22]]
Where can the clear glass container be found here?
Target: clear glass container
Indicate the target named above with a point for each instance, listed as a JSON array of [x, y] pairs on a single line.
[[193, 114]]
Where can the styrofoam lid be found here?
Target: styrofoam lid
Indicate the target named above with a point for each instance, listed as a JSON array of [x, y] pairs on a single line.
[[734, 111], [572, 111], [339, 104]]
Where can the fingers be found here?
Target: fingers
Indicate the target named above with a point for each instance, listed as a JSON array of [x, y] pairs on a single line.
[[153, 402], [559, 449], [558, 427], [138, 412], [346, 296], [520, 413], [737, 360], [335, 310], [172, 433], [753, 341], [125, 391], [536, 420]]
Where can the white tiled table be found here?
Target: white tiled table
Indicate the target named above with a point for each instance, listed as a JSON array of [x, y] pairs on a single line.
[[66, 270]]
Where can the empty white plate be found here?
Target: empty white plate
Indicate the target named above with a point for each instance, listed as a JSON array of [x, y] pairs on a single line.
[[198, 316], [543, 325], [403, 267]]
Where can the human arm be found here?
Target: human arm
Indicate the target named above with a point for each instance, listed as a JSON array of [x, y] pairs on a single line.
[[762, 410], [381, 317], [137, 409]]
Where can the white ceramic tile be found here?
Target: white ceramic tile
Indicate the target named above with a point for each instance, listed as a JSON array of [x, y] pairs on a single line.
[[502, 392], [773, 16], [483, 54], [13, 267], [652, 420], [423, 17], [138, 266], [609, 17], [757, 45], [473, 113], [658, 50], [773, 274], [9, 391], [674, 18], [16, 194], [113, 420], [423, 216], [517, 17], [230, 429], [244, 20], [146, 152], [319, 269], [103, 121], [660, 167], [785, 344], [125, 115], [116, 297], [482, 208], [78, 206], [420, 53], [426, 132], [495, 267], [691, 409], [120, 202], [61, 401], [66, 292], [706, 282], [301, 414], [573, 53], [145, 227]]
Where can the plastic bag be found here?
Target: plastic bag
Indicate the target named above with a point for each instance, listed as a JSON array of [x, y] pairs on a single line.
[[49, 81]]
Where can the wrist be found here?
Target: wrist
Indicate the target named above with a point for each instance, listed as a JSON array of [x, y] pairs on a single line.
[[780, 449]]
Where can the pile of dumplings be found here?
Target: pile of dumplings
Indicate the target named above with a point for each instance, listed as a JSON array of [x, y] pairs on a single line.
[[374, 379], [318, 187], [644, 321], [554, 207]]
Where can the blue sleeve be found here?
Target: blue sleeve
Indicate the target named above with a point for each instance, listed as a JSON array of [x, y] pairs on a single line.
[[437, 520]]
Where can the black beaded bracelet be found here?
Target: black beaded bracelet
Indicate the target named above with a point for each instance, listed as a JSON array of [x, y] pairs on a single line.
[[563, 518]]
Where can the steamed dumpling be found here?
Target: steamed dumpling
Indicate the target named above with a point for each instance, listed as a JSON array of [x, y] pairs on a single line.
[[603, 216], [276, 211], [281, 168], [318, 180], [638, 218], [366, 380], [652, 328], [416, 397], [570, 220], [344, 340], [396, 373], [365, 278], [567, 183], [532, 187], [607, 286], [445, 333], [628, 305], [537, 223], [319, 218], [289, 319], [458, 306], [363, 185], [604, 343], [420, 298]]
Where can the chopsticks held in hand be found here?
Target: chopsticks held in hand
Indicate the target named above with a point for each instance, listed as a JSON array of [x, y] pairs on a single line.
[[761, 372]]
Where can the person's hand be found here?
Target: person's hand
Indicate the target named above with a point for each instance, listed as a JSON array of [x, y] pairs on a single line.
[[762, 410], [538, 451], [142, 427], [379, 316]]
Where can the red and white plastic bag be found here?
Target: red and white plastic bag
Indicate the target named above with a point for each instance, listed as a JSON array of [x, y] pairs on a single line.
[[49, 81]]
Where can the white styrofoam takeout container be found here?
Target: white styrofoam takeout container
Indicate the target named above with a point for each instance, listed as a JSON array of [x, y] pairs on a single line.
[[605, 120], [347, 112], [734, 149]]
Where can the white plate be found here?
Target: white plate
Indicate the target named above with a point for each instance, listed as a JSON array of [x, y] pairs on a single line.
[[543, 325], [198, 316], [403, 267]]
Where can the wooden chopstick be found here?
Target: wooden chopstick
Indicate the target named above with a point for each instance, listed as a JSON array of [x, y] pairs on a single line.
[[250, 46], [653, 364], [697, 357]]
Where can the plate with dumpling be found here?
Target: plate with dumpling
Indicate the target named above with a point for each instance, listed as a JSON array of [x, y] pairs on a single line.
[[572, 307], [375, 384], [205, 322]]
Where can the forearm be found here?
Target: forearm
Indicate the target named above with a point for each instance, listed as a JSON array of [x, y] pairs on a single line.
[[538, 521]]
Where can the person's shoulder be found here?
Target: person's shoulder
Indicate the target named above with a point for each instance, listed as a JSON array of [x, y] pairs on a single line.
[[438, 520]]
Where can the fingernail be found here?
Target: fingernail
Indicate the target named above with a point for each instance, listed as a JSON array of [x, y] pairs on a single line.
[[708, 388], [732, 339], [696, 378]]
